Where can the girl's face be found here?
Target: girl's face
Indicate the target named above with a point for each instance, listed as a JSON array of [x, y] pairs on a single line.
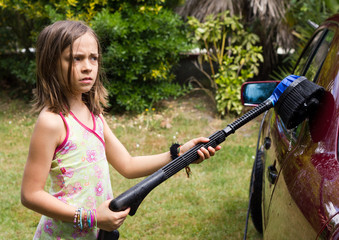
[[84, 64]]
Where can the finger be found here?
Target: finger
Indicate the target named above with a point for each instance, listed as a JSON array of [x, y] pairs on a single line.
[[204, 153], [201, 156], [195, 141], [118, 225], [211, 151], [202, 139], [217, 148], [127, 211], [122, 220], [124, 213]]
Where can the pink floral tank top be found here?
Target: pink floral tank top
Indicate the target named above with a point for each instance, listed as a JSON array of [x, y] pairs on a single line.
[[79, 176]]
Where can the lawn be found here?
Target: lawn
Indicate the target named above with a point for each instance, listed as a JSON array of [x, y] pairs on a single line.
[[210, 204]]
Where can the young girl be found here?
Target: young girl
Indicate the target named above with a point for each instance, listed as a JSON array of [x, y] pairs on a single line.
[[72, 142]]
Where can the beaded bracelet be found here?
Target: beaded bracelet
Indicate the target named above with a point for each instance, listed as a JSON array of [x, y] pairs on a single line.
[[76, 217], [89, 223], [95, 217], [85, 219], [80, 222]]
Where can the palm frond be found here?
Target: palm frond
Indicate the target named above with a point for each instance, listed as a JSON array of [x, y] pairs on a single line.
[[202, 8]]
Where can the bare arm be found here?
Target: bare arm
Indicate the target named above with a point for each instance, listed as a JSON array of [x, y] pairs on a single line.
[[47, 135], [140, 166]]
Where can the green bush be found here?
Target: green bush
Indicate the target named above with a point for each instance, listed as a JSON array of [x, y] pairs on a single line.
[[141, 43], [140, 47], [20, 22], [236, 52]]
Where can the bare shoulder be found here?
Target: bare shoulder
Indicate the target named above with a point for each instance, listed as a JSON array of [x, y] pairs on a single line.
[[49, 121], [50, 125]]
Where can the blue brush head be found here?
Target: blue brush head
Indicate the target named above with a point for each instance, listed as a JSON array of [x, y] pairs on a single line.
[[282, 87], [295, 98]]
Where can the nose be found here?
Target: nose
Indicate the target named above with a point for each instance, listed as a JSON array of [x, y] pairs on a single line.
[[86, 66]]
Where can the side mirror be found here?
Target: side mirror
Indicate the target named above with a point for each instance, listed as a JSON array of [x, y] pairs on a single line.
[[256, 92]]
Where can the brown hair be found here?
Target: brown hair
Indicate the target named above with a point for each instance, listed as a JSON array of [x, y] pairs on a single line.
[[50, 90]]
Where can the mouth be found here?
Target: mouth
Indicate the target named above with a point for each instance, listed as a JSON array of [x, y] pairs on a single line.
[[86, 80]]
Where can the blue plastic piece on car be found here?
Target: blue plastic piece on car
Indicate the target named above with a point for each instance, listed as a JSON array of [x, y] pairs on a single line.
[[282, 87]]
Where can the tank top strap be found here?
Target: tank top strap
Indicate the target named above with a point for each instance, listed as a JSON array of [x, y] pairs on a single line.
[[67, 134]]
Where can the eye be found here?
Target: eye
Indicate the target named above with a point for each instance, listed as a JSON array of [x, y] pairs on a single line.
[[76, 59], [94, 58]]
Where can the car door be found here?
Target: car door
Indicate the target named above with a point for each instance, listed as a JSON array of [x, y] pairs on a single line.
[[291, 188]]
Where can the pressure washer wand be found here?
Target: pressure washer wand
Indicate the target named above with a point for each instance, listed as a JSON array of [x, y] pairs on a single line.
[[293, 99], [298, 96], [134, 196]]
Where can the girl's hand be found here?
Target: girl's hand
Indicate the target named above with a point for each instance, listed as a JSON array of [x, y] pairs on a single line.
[[202, 152], [109, 220]]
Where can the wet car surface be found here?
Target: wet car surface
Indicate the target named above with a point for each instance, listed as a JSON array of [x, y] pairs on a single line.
[[295, 179]]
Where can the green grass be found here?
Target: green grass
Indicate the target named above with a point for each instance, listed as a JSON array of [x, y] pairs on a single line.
[[211, 204]]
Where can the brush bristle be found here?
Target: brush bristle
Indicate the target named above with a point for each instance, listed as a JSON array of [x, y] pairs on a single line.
[[293, 105]]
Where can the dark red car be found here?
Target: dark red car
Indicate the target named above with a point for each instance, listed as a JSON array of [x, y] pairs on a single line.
[[295, 178]]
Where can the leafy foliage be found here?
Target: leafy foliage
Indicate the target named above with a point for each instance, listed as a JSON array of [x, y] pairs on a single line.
[[140, 48], [141, 43], [297, 17], [226, 42], [20, 24]]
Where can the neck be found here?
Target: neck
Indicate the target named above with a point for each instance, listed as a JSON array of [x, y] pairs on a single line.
[[75, 103]]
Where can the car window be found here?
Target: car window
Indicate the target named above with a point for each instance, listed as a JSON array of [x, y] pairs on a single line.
[[302, 62], [309, 65], [319, 57], [313, 56]]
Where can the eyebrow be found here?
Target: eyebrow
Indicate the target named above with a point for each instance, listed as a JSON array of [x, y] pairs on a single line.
[[82, 54]]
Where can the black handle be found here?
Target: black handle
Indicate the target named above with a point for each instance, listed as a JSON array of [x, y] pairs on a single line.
[[134, 196], [192, 155], [253, 113], [104, 235]]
